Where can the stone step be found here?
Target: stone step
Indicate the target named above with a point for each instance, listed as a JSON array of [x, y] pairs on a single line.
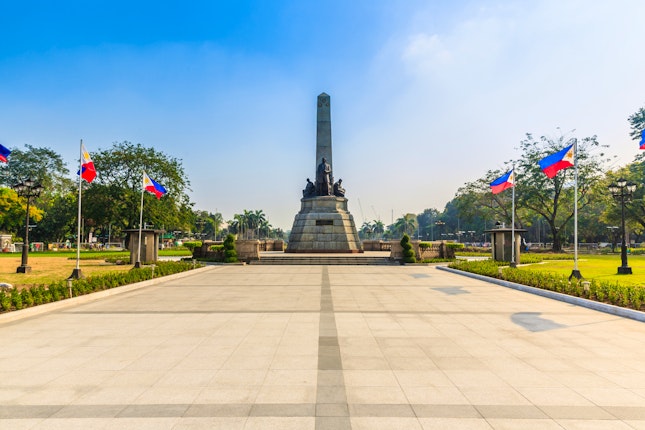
[[325, 260]]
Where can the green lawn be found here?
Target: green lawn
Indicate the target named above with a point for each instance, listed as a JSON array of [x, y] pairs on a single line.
[[598, 267], [51, 266]]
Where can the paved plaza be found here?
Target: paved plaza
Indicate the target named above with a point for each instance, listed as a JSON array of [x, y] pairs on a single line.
[[322, 347]]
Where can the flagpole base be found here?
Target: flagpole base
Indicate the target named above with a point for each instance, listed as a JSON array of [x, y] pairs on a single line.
[[76, 274], [575, 274], [137, 265], [624, 270]]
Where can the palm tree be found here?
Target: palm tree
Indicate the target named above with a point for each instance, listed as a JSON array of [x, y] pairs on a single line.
[[366, 230], [378, 228], [242, 223], [217, 221], [265, 227], [259, 218], [406, 224]]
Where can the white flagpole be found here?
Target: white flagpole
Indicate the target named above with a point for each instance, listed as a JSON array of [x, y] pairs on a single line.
[[138, 263], [76, 273], [576, 272], [513, 262]]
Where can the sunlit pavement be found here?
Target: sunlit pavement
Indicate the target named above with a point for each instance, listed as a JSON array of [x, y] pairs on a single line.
[[323, 347]]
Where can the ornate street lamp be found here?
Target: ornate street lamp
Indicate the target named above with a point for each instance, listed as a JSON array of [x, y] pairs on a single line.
[[623, 191], [28, 188], [440, 224]]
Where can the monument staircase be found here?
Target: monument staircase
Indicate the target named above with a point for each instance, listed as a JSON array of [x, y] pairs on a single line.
[[325, 259]]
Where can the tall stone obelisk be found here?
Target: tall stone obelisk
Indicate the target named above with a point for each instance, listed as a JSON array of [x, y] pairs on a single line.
[[323, 131], [324, 225]]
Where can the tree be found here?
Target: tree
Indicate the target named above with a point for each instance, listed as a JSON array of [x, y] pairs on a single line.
[[407, 224], [634, 210], [426, 221], [12, 211], [208, 224], [114, 196], [378, 228], [553, 199], [366, 230], [476, 203], [41, 164], [636, 122], [60, 219], [408, 253]]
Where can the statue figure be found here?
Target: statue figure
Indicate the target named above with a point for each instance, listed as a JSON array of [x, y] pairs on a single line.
[[339, 191], [310, 189], [323, 179]]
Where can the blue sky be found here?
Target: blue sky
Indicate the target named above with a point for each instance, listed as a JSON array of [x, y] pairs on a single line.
[[426, 95]]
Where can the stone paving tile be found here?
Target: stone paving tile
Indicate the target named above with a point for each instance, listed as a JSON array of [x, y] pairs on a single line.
[[317, 347]]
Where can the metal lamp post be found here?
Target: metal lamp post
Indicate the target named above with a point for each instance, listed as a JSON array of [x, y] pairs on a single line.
[[440, 224], [623, 191], [28, 188]]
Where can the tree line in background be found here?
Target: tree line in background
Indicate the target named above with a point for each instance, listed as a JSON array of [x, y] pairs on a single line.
[[543, 206], [111, 203]]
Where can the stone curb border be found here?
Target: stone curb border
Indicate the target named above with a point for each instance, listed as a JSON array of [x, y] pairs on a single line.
[[578, 301], [86, 298]]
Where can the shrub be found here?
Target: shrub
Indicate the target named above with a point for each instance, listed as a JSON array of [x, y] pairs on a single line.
[[37, 294], [230, 254], [5, 301], [192, 245], [627, 296], [57, 291], [216, 248], [27, 297], [408, 253], [16, 299]]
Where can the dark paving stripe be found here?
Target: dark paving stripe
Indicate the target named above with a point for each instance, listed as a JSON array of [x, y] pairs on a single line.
[[219, 410], [28, 411], [282, 410], [332, 411]]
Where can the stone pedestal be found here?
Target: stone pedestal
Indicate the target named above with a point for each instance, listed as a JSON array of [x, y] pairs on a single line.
[[324, 225], [149, 245], [502, 240]]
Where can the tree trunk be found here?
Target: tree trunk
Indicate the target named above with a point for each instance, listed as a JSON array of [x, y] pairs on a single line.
[[557, 240]]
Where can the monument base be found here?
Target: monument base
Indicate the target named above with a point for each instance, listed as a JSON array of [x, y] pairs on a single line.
[[324, 225]]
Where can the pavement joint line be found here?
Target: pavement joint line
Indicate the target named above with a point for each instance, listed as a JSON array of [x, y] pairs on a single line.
[[572, 300], [321, 410]]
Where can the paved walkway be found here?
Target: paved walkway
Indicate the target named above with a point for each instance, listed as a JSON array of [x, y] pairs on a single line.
[[323, 347]]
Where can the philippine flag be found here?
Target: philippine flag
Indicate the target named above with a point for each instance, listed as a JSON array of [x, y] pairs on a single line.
[[562, 159], [642, 139], [152, 186], [88, 172], [4, 153], [503, 182]]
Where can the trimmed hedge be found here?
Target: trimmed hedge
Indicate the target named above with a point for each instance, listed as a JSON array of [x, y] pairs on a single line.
[[626, 296], [38, 295], [408, 253], [230, 254]]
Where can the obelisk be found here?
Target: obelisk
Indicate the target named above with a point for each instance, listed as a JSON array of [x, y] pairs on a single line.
[[324, 224], [323, 131]]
